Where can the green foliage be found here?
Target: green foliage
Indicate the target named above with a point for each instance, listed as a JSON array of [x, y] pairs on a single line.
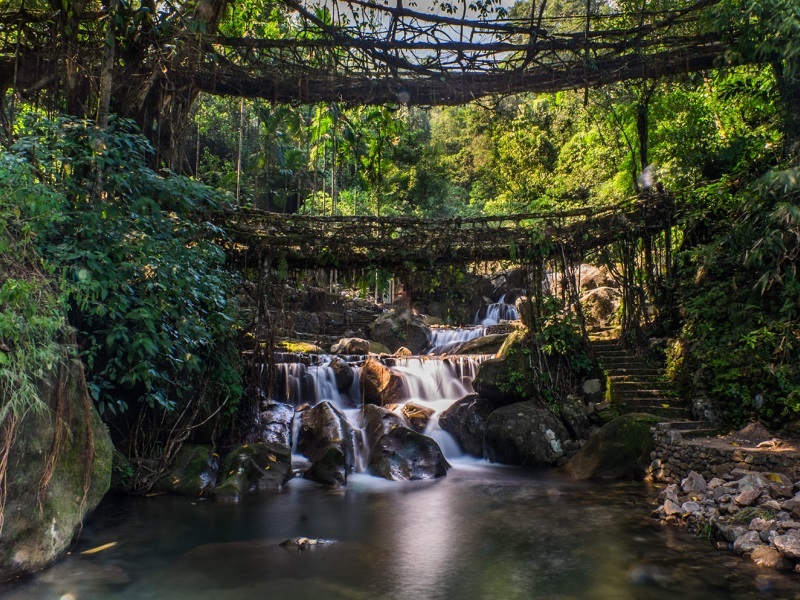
[[141, 272], [742, 306], [32, 311]]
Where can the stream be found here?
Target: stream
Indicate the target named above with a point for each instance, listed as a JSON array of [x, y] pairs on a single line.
[[483, 532]]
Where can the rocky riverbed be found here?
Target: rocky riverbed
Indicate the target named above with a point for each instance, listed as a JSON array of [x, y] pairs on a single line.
[[753, 514]]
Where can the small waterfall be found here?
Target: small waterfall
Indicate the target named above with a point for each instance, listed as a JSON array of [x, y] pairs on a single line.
[[298, 384], [494, 313], [448, 340]]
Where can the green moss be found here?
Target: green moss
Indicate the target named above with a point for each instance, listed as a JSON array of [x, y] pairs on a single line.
[[378, 348], [297, 346]]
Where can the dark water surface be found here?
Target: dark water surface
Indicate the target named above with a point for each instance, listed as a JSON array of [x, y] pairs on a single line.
[[483, 532]]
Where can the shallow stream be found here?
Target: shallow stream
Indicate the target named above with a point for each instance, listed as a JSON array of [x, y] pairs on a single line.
[[482, 532]]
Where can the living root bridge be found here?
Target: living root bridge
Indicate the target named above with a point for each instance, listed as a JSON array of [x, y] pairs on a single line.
[[396, 243]]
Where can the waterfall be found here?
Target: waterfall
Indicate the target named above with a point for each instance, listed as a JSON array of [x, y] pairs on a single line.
[[445, 340], [494, 313]]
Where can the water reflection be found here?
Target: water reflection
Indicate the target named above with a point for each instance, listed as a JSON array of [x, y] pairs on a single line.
[[483, 532]]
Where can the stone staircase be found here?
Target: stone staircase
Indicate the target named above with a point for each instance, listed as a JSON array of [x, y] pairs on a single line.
[[635, 386]]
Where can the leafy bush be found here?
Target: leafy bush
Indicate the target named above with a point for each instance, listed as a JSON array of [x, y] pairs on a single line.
[[140, 269]]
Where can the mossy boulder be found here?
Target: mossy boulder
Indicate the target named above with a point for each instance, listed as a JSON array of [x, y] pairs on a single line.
[[253, 467], [42, 513], [395, 329], [525, 433], [508, 377], [618, 450], [193, 472], [486, 344]]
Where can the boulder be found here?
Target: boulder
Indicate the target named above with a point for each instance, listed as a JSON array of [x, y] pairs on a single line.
[[194, 471], [620, 449], [379, 385], [377, 348], [592, 277], [575, 416], [252, 467], [486, 344], [694, 482], [376, 422], [788, 544], [525, 309], [403, 454], [343, 374], [325, 437], [403, 352], [508, 377], [395, 329], [465, 420], [275, 421], [41, 513], [766, 556], [600, 306], [524, 433], [417, 415], [350, 346]]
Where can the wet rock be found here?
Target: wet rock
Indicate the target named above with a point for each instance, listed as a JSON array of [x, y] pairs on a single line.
[[275, 423], [465, 420], [379, 385], [252, 467], [350, 346], [304, 543], [788, 544], [650, 575], [377, 421], [575, 416], [417, 416], [403, 454], [39, 526], [485, 344], [524, 433], [343, 374], [669, 493], [694, 482], [194, 471], [403, 352], [396, 329], [747, 542], [765, 556], [329, 442], [620, 449], [728, 531]]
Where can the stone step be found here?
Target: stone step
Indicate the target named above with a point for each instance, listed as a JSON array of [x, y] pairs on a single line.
[[696, 433], [653, 402], [627, 383], [670, 412], [640, 394], [621, 361], [634, 372], [686, 425]]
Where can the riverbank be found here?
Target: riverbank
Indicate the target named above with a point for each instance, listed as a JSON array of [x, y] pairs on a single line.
[[741, 490]]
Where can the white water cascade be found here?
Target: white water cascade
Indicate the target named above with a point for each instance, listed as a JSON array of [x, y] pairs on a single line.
[[446, 340], [494, 313]]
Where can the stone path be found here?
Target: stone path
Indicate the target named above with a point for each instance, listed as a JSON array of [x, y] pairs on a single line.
[[636, 386]]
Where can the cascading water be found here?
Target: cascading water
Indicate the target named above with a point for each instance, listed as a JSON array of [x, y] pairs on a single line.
[[445, 340], [494, 313]]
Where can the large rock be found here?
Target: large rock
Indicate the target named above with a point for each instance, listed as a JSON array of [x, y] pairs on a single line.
[[592, 277], [275, 423], [524, 306], [465, 420], [575, 416], [379, 385], [403, 454], [600, 306], [525, 433], [252, 467], [396, 329], [486, 344], [350, 346], [45, 507], [417, 415], [329, 442], [343, 374], [376, 422], [620, 449], [194, 471], [508, 377]]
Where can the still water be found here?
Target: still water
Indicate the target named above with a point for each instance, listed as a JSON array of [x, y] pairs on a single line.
[[483, 532]]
